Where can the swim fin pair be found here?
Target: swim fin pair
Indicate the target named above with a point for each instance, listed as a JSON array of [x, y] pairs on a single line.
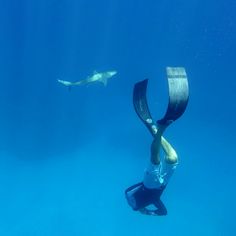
[[178, 99]]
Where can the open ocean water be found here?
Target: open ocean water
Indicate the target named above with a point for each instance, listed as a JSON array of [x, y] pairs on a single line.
[[66, 157]]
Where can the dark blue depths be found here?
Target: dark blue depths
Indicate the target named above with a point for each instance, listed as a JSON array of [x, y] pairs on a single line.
[[66, 157]]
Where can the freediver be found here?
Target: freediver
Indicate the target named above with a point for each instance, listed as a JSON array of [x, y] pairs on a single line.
[[145, 196]]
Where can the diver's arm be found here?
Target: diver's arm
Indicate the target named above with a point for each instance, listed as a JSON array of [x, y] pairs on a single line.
[[144, 211], [160, 211]]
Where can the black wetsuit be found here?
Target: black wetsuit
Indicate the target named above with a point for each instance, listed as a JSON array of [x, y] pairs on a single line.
[[139, 198]]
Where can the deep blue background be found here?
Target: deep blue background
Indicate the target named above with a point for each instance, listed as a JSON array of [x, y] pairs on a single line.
[[66, 157]]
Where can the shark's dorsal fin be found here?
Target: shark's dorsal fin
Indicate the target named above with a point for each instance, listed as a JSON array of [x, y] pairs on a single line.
[[95, 72]]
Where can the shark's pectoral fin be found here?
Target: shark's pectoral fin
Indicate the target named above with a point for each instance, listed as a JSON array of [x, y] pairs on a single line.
[[104, 81]]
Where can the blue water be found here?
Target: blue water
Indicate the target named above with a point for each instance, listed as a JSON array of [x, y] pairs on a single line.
[[66, 157]]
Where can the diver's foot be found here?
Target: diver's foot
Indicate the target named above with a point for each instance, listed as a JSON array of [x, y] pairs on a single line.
[[152, 125]]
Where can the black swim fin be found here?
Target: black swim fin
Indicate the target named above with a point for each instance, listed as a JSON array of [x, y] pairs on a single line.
[[140, 104], [178, 94], [178, 98]]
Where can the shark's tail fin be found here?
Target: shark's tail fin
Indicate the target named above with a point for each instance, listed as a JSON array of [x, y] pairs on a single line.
[[69, 84], [64, 82]]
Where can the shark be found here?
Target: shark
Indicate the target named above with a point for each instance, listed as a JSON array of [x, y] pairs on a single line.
[[101, 77]]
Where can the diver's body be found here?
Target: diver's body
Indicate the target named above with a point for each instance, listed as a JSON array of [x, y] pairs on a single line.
[[156, 177], [145, 196]]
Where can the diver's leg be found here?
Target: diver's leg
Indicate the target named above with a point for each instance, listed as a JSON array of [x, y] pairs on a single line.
[[159, 171], [155, 151], [171, 155], [156, 144], [170, 163]]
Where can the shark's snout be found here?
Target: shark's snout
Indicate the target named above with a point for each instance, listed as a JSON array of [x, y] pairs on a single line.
[[112, 73]]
